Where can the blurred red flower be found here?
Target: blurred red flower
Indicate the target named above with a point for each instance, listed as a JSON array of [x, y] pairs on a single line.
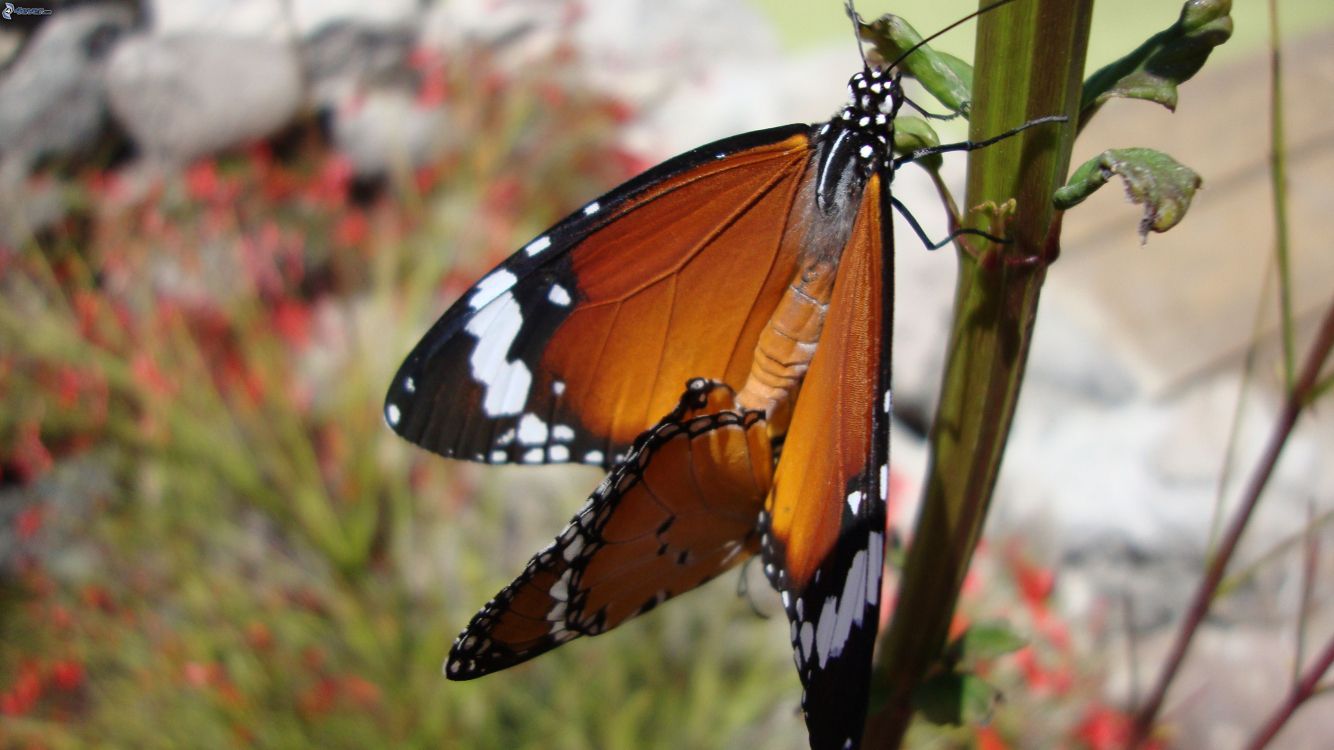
[[67, 675], [28, 522]]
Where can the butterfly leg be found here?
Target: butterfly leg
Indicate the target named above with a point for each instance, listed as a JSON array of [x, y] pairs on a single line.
[[921, 153], [930, 115], [921, 235]]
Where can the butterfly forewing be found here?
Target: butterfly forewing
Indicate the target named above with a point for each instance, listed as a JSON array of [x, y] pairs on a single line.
[[677, 511], [825, 517], [578, 342]]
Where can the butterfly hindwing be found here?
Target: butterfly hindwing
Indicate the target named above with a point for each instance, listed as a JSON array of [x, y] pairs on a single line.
[[677, 511], [823, 525], [575, 345]]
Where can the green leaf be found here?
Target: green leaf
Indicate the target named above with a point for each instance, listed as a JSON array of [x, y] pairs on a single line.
[[912, 133], [955, 699], [983, 641], [1162, 184], [944, 76], [1167, 59]]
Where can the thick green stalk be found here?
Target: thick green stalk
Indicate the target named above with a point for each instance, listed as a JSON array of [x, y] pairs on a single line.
[[1029, 63]]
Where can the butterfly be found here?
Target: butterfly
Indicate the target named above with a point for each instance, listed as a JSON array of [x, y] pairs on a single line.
[[715, 334]]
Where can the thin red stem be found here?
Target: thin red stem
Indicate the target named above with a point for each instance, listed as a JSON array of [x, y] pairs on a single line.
[[1296, 399], [1300, 693]]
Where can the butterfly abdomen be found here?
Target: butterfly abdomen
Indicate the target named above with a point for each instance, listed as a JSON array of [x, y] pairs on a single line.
[[788, 342]]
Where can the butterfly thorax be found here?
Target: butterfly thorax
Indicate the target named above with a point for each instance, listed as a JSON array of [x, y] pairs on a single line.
[[857, 141]]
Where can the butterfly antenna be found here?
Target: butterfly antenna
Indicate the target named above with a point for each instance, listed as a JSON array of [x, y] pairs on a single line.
[[951, 27], [851, 10]]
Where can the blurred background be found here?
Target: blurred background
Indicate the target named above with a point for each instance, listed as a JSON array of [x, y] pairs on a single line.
[[223, 223]]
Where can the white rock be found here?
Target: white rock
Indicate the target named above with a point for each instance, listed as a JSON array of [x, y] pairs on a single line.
[[185, 96], [52, 97], [387, 131]]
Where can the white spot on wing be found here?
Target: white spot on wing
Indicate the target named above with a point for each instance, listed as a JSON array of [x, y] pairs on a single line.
[[562, 433], [884, 481], [558, 387], [889, 402], [573, 549], [840, 613], [558, 296], [807, 635], [855, 501], [538, 245], [392, 414], [592, 208], [532, 430], [557, 613], [410, 385], [495, 328], [593, 457], [866, 151], [558, 453], [491, 287], [533, 456], [498, 457], [875, 547], [561, 588]]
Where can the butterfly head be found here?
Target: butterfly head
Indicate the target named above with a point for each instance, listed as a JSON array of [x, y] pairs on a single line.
[[873, 92]]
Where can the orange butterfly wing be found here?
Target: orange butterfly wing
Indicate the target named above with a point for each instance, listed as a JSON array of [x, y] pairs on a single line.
[[679, 510], [823, 525], [576, 344]]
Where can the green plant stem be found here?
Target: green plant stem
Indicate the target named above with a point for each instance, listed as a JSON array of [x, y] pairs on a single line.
[[1029, 63], [1293, 405], [1301, 692], [1278, 176]]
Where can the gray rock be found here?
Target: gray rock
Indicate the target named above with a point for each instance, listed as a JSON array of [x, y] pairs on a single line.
[[342, 58], [386, 131], [276, 20], [185, 96], [52, 96]]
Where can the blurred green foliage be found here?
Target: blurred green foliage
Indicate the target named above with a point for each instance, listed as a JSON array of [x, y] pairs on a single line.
[[217, 543]]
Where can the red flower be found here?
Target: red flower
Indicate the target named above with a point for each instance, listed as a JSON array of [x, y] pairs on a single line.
[[619, 110], [434, 87], [352, 230], [258, 635], [1035, 583], [67, 675], [203, 183], [29, 455], [989, 739], [28, 522], [98, 598], [1103, 728], [149, 376], [23, 694], [318, 699], [292, 319], [332, 183], [362, 692], [200, 675], [60, 617]]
